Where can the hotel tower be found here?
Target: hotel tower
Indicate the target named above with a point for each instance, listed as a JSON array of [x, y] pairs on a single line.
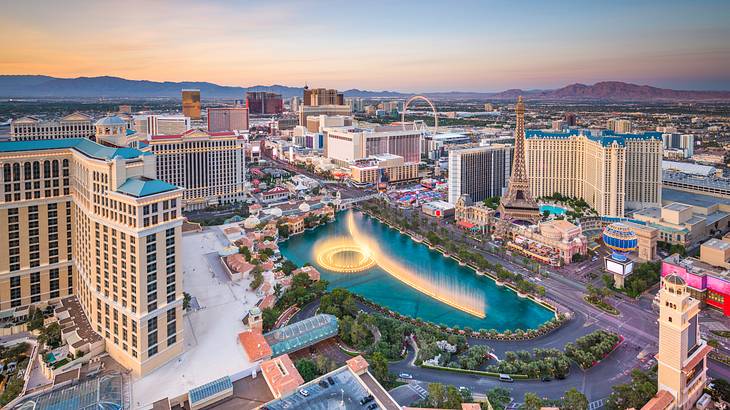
[[682, 357], [85, 221]]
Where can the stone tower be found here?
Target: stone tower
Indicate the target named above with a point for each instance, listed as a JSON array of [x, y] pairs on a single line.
[[255, 319], [682, 354]]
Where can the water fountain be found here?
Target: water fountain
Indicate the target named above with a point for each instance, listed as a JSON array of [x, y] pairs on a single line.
[[360, 252]]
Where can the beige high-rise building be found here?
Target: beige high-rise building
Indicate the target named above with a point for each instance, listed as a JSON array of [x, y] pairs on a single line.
[[209, 165], [346, 144], [76, 125], [682, 357], [611, 173], [619, 126], [191, 104], [81, 219], [322, 101]]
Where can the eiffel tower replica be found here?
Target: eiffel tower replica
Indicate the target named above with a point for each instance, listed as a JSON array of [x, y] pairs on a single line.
[[517, 204]]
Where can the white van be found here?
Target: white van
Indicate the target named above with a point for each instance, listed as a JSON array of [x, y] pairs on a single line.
[[505, 378]]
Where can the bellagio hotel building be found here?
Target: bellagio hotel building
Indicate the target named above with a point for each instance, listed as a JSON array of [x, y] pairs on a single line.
[[611, 172], [83, 220]]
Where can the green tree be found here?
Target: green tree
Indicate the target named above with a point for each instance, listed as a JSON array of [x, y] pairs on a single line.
[[532, 402], [721, 389], [453, 398], [288, 267], [636, 394], [301, 279], [186, 300], [283, 231], [379, 367], [50, 335], [243, 250], [574, 400], [278, 289], [436, 395], [269, 317], [499, 398], [307, 369]]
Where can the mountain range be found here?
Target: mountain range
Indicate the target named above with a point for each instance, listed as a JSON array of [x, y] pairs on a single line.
[[40, 86]]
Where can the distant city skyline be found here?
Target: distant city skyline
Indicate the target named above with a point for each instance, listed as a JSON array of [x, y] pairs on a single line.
[[407, 46]]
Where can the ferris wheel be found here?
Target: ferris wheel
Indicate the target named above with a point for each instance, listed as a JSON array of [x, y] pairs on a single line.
[[433, 109]]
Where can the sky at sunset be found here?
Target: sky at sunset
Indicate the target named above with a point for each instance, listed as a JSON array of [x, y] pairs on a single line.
[[406, 46]]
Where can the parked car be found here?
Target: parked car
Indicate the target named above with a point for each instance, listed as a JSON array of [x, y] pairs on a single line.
[[373, 406], [506, 378], [405, 376], [323, 384], [367, 399], [331, 381], [546, 378], [304, 392]]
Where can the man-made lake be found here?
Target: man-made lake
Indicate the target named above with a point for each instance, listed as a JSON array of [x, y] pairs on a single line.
[[432, 287]]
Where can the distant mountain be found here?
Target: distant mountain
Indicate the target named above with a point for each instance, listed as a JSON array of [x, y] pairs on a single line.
[[614, 91], [110, 87], [40, 86]]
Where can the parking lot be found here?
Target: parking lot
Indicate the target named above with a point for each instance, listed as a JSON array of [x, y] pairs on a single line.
[[346, 393]]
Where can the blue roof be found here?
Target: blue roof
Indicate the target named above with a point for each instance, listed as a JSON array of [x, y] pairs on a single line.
[[83, 145], [606, 137], [299, 335], [140, 187], [209, 390]]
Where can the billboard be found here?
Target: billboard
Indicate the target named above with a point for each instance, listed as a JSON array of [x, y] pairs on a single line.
[[614, 267]]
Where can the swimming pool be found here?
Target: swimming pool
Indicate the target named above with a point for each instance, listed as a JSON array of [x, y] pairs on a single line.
[[553, 209]]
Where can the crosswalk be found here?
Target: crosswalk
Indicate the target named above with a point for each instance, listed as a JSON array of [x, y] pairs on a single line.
[[419, 390], [597, 404]]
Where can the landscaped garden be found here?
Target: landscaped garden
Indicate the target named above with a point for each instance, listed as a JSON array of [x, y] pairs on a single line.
[[14, 361]]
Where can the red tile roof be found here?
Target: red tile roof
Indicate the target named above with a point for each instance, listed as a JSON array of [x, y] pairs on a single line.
[[661, 401], [697, 358], [281, 375], [357, 364], [254, 344]]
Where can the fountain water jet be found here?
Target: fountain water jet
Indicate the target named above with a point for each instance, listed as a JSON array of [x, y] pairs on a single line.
[[360, 252]]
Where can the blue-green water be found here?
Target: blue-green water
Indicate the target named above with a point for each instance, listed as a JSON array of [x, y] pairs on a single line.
[[555, 210], [504, 309]]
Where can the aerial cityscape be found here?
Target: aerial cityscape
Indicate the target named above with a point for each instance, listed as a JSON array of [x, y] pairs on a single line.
[[320, 205]]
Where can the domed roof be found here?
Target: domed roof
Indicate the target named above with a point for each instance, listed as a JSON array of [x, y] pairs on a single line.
[[675, 280], [110, 121], [251, 222], [620, 238], [274, 211]]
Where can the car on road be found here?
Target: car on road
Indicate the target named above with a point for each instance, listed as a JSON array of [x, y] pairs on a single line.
[[405, 376], [546, 378], [367, 399], [506, 378]]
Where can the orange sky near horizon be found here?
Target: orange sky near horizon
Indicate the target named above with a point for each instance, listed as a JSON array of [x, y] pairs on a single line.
[[291, 42]]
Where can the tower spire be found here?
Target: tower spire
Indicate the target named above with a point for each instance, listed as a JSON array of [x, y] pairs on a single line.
[[518, 203]]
